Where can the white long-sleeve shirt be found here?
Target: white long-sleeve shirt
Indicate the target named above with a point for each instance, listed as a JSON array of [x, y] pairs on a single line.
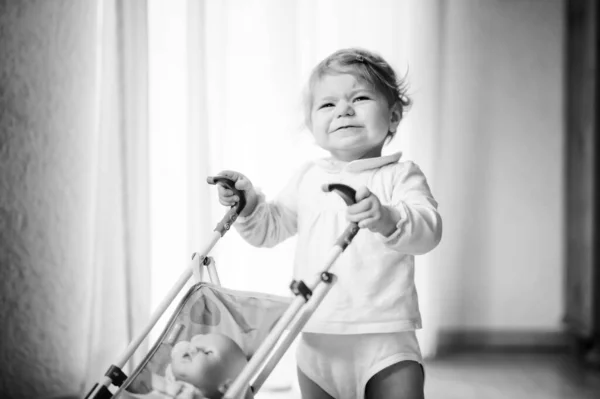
[[375, 289]]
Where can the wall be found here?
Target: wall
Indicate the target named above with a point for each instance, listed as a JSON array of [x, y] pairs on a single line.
[[500, 181], [47, 63]]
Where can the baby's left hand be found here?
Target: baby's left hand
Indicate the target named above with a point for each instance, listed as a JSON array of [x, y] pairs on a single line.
[[369, 213]]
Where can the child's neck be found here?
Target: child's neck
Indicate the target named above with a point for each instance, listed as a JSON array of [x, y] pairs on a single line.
[[354, 156]]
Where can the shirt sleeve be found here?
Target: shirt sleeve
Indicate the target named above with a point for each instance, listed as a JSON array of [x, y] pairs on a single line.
[[272, 222], [419, 229]]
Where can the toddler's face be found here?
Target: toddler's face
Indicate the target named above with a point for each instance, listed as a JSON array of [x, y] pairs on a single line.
[[206, 361], [349, 118]]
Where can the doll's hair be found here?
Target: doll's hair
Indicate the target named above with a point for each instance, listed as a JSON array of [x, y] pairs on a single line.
[[363, 65]]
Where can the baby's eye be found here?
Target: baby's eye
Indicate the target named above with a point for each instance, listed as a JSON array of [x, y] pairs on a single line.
[[204, 350], [326, 105], [361, 98]]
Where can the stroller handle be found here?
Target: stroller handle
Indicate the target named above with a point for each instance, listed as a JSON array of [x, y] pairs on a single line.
[[229, 184], [347, 193]]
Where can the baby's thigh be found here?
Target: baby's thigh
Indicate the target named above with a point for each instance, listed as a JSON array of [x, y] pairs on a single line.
[[403, 380], [310, 389]]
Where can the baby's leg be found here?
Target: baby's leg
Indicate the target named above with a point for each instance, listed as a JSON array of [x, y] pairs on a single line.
[[403, 380], [309, 389]]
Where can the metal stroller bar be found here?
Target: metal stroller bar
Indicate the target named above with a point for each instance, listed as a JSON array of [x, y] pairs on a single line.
[[319, 293], [115, 375], [212, 273]]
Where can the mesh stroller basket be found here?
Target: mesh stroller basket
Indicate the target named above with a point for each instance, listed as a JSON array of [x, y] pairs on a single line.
[[245, 317], [263, 325]]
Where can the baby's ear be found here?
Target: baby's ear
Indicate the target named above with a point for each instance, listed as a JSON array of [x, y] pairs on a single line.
[[225, 385], [395, 118]]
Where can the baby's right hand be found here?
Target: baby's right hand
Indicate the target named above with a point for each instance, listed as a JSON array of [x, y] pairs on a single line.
[[228, 198]]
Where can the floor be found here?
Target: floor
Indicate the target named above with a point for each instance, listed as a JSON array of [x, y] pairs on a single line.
[[499, 376]]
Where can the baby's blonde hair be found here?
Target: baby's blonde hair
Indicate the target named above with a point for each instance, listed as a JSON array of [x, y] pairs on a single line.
[[366, 66]]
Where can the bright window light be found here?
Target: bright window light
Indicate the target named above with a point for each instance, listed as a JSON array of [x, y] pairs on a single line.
[[168, 140]]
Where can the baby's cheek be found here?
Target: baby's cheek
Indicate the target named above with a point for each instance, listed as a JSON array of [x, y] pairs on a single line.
[[179, 348], [179, 369]]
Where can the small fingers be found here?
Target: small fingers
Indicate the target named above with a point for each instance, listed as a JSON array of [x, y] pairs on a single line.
[[227, 196], [231, 174], [225, 192], [368, 223], [366, 220], [227, 203], [241, 182], [361, 217], [360, 207], [361, 193]]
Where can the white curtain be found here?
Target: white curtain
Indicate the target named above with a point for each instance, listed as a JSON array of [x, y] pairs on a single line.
[[226, 79], [119, 287]]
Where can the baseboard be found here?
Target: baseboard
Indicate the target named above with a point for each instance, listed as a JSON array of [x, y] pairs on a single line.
[[453, 341]]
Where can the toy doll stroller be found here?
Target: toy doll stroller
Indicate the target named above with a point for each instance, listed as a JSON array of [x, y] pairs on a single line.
[[263, 325]]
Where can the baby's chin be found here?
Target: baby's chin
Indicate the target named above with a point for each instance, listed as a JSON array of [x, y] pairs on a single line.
[[209, 390], [214, 391]]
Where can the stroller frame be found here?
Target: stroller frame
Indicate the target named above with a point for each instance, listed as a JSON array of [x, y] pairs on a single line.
[[307, 298]]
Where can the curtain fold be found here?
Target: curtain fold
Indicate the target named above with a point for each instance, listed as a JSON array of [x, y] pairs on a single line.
[[119, 294], [424, 46]]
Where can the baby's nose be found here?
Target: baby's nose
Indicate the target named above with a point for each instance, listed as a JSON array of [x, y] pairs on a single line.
[[345, 109]]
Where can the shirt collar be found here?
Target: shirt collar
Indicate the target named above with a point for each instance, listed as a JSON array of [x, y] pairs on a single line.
[[334, 165]]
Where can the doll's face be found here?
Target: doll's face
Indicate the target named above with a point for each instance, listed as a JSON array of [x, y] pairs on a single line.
[[207, 361]]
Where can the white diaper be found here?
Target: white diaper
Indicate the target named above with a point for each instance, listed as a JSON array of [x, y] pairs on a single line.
[[343, 364]]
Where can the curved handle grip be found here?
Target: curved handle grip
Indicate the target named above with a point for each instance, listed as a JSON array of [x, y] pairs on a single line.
[[229, 184], [347, 193]]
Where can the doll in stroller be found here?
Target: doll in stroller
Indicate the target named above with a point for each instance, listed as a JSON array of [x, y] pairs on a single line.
[[221, 343]]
